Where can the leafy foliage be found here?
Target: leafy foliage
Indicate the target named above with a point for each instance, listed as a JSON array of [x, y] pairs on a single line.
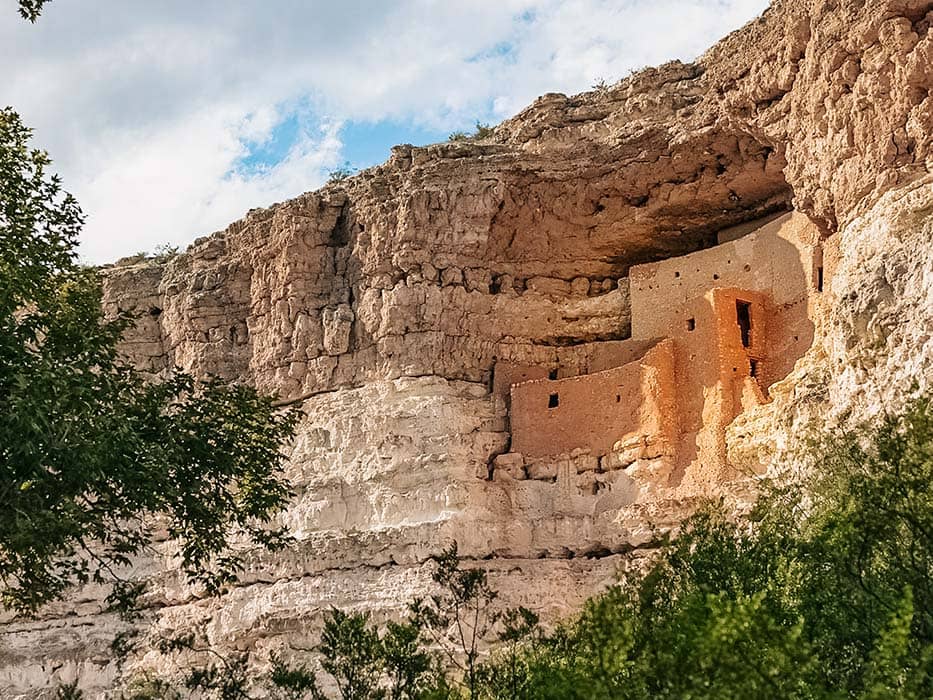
[[31, 9], [340, 174], [825, 594], [94, 456], [482, 131]]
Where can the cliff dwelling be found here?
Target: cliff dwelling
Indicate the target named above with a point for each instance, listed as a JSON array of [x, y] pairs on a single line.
[[712, 332]]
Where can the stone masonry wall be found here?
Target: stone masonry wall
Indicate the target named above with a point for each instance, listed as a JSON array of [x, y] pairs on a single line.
[[387, 299], [594, 411]]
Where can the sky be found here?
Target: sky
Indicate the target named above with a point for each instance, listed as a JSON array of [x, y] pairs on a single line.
[[170, 119]]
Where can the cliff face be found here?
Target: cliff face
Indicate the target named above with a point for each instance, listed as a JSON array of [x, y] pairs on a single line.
[[386, 301]]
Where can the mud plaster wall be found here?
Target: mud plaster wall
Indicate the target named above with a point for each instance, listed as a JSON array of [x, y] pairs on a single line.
[[692, 300], [778, 259], [585, 358], [735, 357], [595, 411], [674, 298]]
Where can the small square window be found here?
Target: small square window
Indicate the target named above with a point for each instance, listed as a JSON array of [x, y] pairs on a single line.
[[552, 374], [691, 324], [553, 401]]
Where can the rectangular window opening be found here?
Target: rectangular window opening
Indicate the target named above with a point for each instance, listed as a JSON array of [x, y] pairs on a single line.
[[743, 316], [552, 374], [691, 324], [753, 368], [553, 401], [818, 268]]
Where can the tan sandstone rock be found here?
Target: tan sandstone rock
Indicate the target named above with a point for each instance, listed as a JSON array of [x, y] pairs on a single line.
[[388, 299]]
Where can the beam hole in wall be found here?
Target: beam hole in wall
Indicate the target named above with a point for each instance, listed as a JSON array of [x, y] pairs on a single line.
[[676, 274], [747, 268], [715, 277], [553, 401], [743, 316], [691, 324], [618, 398], [818, 268]]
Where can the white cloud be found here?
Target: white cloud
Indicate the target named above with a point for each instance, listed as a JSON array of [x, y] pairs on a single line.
[[179, 182], [148, 107]]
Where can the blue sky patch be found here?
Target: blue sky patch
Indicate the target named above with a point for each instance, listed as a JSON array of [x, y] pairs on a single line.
[[269, 153], [504, 51], [369, 143], [364, 143]]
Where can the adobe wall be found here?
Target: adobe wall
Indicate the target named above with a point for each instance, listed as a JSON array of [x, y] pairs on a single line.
[[573, 361], [594, 411], [742, 368], [691, 299], [779, 260]]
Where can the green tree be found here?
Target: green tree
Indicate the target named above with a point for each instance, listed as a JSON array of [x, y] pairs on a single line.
[[351, 651], [482, 131], [462, 616], [823, 593], [406, 664], [31, 9], [94, 456]]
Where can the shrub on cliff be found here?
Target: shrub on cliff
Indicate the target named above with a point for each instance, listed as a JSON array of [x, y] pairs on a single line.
[[94, 457], [826, 593]]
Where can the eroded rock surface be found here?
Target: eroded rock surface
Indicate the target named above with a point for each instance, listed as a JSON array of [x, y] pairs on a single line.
[[385, 301]]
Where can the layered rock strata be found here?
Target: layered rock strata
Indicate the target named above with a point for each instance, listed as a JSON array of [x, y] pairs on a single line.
[[384, 302]]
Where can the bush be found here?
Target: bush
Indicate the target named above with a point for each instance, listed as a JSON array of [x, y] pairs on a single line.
[[340, 174], [482, 131], [825, 592]]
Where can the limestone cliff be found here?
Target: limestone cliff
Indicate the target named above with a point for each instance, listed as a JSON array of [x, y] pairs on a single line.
[[385, 302]]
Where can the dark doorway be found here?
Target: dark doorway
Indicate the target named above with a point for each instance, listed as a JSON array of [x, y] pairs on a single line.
[[553, 401], [743, 315]]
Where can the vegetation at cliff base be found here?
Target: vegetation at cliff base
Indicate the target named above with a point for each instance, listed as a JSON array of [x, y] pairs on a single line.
[[94, 456], [825, 592]]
